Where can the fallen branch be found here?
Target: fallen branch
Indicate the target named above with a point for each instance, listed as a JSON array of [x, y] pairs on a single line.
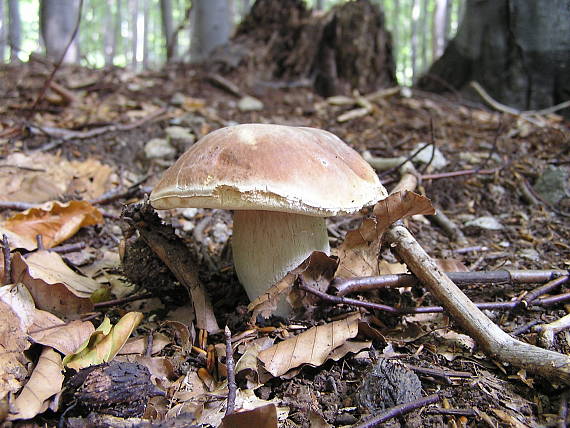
[[493, 341]]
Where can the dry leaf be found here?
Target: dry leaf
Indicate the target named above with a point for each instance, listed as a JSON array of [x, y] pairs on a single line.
[[311, 347], [66, 338], [260, 417], [54, 286], [358, 253], [104, 343], [41, 177], [54, 221], [137, 345], [45, 381]]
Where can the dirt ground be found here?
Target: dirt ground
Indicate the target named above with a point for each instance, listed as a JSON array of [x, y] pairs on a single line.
[[534, 234]]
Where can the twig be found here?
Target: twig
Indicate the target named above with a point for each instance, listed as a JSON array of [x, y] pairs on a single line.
[[450, 228], [17, 206], [546, 288], [230, 368], [149, 344], [7, 260], [444, 374], [68, 248], [345, 286], [494, 341], [524, 328], [66, 134], [548, 331], [401, 409], [339, 300], [58, 64], [119, 193], [506, 109], [451, 412], [122, 301]]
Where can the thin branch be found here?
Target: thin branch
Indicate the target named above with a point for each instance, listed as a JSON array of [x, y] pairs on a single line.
[[7, 260], [399, 410], [230, 368]]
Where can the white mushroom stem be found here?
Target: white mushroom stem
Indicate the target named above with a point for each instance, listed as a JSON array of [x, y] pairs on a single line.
[[267, 245]]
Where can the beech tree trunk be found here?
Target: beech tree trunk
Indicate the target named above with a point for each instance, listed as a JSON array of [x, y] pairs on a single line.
[[58, 19], [2, 32], [168, 35], [518, 50], [210, 27], [14, 29]]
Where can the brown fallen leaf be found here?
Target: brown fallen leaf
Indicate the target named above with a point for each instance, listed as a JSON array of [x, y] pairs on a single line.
[[260, 417], [46, 380], [358, 253], [137, 345], [65, 337], [41, 177], [104, 343], [311, 347], [53, 285], [54, 221]]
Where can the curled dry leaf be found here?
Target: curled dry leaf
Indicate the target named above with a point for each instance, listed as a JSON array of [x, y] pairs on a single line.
[[53, 285], [45, 381], [65, 337], [358, 253], [312, 347], [104, 343], [54, 221]]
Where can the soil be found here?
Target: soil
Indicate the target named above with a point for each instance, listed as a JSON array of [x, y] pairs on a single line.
[[519, 150]]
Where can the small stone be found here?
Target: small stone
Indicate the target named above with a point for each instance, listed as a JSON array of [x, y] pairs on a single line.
[[345, 419], [177, 99], [553, 185], [485, 222], [425, 156], [189, 213], [248, 103], [180, 137], [159, 148], [530, 254]]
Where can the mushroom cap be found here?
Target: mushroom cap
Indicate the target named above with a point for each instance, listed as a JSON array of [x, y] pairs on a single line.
[[273, 168]]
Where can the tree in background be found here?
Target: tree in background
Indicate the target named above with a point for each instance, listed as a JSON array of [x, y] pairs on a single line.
[[58, 19], [14, 29], [210, 27], [519, 51], [168, 33]]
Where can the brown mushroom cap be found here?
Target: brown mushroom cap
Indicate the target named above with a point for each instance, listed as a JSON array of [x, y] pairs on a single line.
[[273, 168]]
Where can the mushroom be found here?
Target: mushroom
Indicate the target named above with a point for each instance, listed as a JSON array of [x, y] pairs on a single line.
[[281, 181]]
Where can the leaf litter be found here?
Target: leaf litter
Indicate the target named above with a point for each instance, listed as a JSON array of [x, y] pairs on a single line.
[[317, 358]]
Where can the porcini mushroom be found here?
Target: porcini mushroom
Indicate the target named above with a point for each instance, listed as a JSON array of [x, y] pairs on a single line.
[[281, 181]]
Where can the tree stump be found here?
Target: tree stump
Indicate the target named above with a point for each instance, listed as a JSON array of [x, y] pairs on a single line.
[[347, 48]]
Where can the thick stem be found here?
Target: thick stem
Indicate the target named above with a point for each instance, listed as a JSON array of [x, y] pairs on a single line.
[[267, 245]]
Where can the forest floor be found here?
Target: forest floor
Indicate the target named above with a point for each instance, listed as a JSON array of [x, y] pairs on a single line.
[[500, 207]]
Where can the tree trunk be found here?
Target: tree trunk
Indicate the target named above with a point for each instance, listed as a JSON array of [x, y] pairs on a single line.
[[58, 19], [415, 7], [146, 31], [110, 37], [168, 35], [14, 29], [2, 33], [210, 27], [519, 51], [439, 27]]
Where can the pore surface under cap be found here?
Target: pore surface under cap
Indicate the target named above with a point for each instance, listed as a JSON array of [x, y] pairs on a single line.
[[270, 167]]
